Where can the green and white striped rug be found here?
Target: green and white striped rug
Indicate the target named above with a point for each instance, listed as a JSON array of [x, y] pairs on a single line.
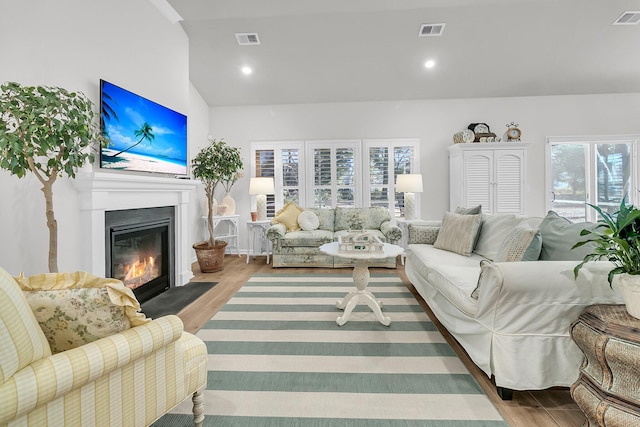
[[277, 358]]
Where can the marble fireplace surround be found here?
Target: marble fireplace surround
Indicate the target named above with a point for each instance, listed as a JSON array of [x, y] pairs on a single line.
[[102, 191]]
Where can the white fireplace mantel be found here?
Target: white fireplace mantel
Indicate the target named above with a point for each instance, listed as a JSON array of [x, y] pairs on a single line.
[[102, 191]]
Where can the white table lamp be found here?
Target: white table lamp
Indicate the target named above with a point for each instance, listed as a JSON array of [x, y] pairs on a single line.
[[260, 187], [409, 184]]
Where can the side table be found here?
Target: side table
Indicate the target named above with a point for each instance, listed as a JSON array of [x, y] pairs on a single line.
[[257, 238], [403, 224], [608, 388], [228, 230]]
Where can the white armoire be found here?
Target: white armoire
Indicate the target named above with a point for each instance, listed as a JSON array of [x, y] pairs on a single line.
[[489, 174]]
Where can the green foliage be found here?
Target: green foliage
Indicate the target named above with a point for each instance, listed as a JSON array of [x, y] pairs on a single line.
[[617, 239], [216, 163], [47, 130]]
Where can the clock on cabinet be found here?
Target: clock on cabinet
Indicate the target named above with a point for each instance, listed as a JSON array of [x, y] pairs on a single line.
[[513, 132]]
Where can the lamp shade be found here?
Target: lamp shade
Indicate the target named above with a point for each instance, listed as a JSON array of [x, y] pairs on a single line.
[[409, 183], [261, 185]]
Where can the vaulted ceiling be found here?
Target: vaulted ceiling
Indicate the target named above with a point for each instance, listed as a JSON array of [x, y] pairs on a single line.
[[369, 50]]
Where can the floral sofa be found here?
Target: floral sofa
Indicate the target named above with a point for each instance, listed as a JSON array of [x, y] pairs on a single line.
[[76, 352], [296, 242]]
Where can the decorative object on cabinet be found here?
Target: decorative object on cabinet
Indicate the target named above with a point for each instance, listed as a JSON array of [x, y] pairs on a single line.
[[616, 238], [260, 187], [490, 174], [513, 132], [409, 184], [481, 132], [479, 127], [608, 388]]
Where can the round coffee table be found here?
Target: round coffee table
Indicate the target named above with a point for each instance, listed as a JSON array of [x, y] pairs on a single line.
[[361, 280]]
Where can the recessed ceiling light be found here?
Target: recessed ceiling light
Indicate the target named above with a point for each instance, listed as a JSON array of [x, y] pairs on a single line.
[[430, 64], [247, 70]]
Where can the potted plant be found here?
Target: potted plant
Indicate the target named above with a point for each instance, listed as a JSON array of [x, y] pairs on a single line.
[[617, 239], [47, 131], [217, 162]]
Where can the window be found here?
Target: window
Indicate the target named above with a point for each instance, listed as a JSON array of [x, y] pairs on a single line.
[[344, 173], [600, 171]]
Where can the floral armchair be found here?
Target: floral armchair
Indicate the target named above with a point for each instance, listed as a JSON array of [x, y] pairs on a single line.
[[296, 242], [95, 375]]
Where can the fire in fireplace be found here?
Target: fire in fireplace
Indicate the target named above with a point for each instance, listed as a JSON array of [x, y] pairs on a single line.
[[140, 249]]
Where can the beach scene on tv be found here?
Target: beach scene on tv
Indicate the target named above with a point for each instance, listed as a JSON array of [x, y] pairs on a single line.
[[143, 135]]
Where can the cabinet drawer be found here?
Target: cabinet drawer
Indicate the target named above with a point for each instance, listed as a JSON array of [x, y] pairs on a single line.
[[590, 342], [623, 358]]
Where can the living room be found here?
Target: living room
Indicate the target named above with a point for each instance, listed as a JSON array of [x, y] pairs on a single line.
[[75, 43]]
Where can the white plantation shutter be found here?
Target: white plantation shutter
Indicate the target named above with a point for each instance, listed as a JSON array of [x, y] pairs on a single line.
[[336, 173]]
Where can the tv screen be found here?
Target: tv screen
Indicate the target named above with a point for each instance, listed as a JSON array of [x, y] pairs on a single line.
[[143, 135]]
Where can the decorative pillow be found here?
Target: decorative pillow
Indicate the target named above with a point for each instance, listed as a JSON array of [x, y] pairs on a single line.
[[77, 308], [522, 244], [288, 216], [476, 210], [493, 231], [559, 235], [458, 233], [23, 342], [308, 220], [425, 234]]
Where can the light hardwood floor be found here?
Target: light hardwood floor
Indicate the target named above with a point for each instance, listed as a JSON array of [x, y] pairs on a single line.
[[547, 408]]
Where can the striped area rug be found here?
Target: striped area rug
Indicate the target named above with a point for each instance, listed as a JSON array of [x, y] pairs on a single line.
[[277, 358]]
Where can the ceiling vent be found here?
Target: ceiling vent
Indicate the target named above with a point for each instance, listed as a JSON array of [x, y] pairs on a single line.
[[431, 30], [247, 38], [628, 18]]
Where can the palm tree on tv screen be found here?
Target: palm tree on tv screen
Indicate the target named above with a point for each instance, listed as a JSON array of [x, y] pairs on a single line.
[[144, 133]]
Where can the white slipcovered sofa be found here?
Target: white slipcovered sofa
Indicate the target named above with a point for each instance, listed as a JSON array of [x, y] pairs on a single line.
[[512, 317]]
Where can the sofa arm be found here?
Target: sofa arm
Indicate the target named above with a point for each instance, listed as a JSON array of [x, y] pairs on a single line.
[[47, 379], [276, 231], [540, 297], [391, 232]]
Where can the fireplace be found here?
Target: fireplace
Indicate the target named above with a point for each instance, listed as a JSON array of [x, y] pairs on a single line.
[[140, 249]]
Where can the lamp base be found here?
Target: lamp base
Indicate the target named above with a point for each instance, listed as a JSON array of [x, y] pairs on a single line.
[[261, 206], [409, 206]]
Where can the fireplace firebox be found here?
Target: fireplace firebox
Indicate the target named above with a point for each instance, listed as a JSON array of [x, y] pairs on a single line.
[[140, 249]]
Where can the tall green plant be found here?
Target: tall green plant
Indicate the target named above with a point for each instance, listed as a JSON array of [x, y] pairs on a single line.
[[617, 239], [217, 162], [47, 131]]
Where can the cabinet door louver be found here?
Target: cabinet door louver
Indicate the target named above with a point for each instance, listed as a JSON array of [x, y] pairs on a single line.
[[508, 182], [479, 172]]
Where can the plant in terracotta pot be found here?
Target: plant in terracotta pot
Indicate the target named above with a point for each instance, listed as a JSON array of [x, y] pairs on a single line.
[[617, 239], [216, 163], [47, 131]]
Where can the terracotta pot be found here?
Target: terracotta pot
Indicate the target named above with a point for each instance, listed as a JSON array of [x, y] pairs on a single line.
[[210, 259]]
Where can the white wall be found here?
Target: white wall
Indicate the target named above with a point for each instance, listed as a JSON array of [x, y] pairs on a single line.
[[73, 44], [434, 122]]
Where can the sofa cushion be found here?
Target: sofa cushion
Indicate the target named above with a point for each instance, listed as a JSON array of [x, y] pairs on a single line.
[[326, 218], [493, 231], [288, 216], [425, 234], [458, 233], [308, 220], [313, 238], [361, 218], [559, 235], [77, 308], [476, 210], [23, 342], [522, 244]]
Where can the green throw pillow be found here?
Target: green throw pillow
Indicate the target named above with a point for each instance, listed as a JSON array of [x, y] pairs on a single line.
[[559, 235]]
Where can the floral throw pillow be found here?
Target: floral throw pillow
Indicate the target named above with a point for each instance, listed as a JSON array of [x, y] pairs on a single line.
[[73, 317]]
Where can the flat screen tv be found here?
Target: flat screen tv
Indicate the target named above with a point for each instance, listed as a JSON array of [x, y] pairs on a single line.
[[143, 136]]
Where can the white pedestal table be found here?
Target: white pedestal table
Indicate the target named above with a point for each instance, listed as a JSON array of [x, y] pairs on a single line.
[[361, 280]]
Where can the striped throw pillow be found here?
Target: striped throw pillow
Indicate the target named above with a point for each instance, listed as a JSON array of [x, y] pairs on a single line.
[[458, 233]]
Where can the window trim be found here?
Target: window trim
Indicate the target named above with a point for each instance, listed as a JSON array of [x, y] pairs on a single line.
[[590, 167]]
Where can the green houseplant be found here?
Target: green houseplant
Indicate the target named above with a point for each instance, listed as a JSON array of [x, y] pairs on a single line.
[[616, 238], [215, 163], [47, 131]]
